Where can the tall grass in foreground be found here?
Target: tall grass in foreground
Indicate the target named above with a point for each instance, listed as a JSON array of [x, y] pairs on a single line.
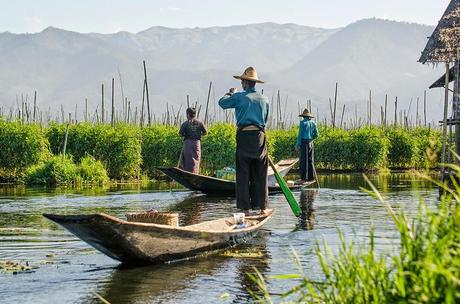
[[426, 270]]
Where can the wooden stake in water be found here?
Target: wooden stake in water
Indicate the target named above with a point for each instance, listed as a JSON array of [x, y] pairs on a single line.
[[147, 94], [444, 125], [335, 104], [113, 103], [35, 105], [103, 108], [396, 112], [86, 109], [424, 108], [385, 112], [207, 104], [65, 140]]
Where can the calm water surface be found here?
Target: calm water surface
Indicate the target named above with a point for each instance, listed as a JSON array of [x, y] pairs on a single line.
[[69, 271]]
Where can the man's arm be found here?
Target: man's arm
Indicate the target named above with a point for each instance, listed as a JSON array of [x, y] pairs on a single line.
[[314, 133], [267, 113], [299, 136], [229, 100]]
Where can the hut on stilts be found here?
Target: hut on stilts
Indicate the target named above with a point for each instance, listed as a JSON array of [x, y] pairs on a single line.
[[443, 47]]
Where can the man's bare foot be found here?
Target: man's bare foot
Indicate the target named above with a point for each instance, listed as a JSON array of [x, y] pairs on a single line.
[[265, 211]]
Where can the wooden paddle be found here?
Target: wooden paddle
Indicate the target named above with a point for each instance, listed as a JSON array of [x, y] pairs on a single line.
[[286, 191]]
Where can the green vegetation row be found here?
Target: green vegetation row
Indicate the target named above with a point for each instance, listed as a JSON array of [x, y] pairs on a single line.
[[425, 270], [129, 152]]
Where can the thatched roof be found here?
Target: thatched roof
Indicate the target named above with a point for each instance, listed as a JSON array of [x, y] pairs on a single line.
[[440, 83], [444, 43]]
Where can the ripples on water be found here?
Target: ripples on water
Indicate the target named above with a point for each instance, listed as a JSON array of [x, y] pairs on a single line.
[[71, 272]]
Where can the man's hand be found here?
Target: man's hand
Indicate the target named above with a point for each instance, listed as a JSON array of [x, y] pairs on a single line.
[[232, 90]]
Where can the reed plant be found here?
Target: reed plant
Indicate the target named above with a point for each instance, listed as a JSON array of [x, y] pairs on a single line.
[[118, 147], [128, 151], [62, 170], [21, 146], [161, 146], [426, 269], [218, 147]]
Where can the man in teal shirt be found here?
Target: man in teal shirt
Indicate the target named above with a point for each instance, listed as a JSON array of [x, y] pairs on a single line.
[[251, 111], [307, 133]]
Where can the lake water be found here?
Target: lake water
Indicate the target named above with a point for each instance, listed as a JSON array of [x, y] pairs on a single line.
[[69, 271]]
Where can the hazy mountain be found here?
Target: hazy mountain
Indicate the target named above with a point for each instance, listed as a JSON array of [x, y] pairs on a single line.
[[370, 54], [304, 62]]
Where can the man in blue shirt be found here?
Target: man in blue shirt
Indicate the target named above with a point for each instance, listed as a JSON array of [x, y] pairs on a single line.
[[307, 133], [251, 111]]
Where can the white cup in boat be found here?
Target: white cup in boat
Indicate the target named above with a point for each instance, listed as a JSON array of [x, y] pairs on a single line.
[[238, 218]]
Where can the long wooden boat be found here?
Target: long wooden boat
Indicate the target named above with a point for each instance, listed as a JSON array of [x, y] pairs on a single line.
[[217, 186], [136, 242]]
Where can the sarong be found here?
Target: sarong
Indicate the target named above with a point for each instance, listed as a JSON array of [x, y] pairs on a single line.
[[191, 155]]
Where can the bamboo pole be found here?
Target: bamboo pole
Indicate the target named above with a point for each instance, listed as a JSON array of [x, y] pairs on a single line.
[[142, 108], [332, 112], [35, 105], [76, 109], [113, 103], [456, 103], [341, 119], [396, 112], [444, 125], [385, 112], [207, 104], [424, 108], [335, 103], [103, 108], [147, 94]]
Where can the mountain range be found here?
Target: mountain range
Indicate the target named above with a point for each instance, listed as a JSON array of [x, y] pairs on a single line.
[[303, 62]]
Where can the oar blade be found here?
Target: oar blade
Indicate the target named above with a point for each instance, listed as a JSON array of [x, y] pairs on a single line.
[[288, 194]]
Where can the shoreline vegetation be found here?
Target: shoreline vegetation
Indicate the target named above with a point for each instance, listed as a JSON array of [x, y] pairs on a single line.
[[425, 269], [33, 154]]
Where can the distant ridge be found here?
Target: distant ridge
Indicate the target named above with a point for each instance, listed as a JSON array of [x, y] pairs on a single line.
[[65, 67]]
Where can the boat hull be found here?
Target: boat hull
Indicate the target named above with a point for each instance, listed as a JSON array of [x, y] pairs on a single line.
[[211, 185], [132, 242]]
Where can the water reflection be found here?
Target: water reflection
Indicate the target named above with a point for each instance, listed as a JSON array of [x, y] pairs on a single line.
[[307, 217], [168, 283], [247, 266], [154, 283], [384, 182], [77, 271]]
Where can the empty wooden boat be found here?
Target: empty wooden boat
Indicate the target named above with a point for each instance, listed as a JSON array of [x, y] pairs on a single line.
[[137, 242]]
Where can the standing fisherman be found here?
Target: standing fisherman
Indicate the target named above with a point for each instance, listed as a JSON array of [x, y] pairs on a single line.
[[307, 133], [191, 130], [251, 111]]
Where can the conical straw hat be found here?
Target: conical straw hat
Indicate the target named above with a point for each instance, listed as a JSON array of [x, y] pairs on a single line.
[[249, 74], [306, 113]]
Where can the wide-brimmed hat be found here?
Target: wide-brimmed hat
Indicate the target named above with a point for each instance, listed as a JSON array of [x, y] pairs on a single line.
[[249, 74], [306, 113]]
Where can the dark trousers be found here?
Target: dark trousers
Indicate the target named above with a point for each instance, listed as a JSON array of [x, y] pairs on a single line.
[[251, 170], [306, 160]]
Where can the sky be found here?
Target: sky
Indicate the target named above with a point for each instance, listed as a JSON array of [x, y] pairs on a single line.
[[109, 16]]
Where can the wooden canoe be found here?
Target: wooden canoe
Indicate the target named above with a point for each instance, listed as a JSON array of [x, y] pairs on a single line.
[[221, 187], [134, 242]]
